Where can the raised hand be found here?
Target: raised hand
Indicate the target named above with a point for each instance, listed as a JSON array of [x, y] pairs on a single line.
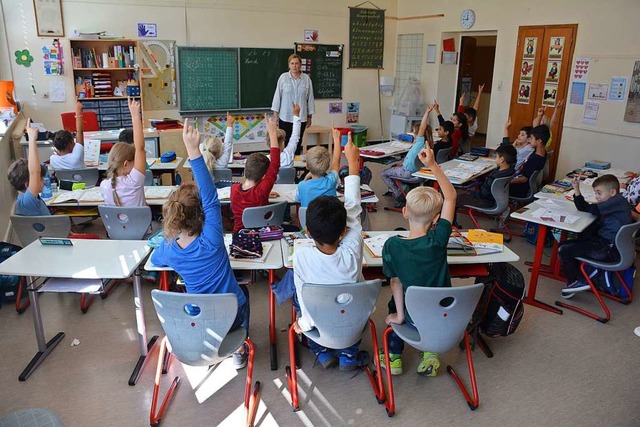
[[351, 152], [335, 133], [134, 107], [461, 101], [191, 137], [426, 157], [296, 109], [560, 103], [31, 131], [507, 125], [541, 111], [230, 120], [436, 106], [480, 88], [272, 126], [78, 108]]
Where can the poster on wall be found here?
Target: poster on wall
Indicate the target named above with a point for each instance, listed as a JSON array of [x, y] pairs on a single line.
[[553, 71], [581, 69], [598, 91], [530, 45], [617, 88], [556, 48], [578, 90], [549, 95], [590, 115], [335, 108], [524, 93], [526, 71], [632, 112]]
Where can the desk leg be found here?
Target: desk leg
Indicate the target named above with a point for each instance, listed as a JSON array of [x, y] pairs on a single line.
[[145, 348], [273, 349], [43, 348], [535, 272]]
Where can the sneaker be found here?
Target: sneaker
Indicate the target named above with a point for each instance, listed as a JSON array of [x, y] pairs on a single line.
[[349, 362], [150, 276], [240, 358], [573, 287], [326, 359], [395, 363], [428, 366]]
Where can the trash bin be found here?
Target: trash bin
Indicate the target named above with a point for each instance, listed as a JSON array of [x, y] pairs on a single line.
[[358, 135]]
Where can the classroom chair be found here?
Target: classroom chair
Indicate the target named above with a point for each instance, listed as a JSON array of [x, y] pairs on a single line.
[[440, 316], [148, 178], [89, 120], [533, 189], [286, 176], [222, 174], [89, 176], [263, 216], [625, 243], [302, 217], [500, 192], [442, 156], [31, 417], [29, 229], [340, 313], [197, 333]]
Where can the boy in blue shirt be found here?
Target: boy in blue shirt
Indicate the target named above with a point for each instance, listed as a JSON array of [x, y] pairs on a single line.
[[419, 259]]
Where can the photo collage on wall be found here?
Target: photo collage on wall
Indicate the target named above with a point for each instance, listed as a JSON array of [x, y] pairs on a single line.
[[526, 70], [552, 75]]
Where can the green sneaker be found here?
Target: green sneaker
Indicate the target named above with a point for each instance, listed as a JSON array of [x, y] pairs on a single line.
[[395, 362], [428, 366]]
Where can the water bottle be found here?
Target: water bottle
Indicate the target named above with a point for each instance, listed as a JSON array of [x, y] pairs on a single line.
[[46, 190]]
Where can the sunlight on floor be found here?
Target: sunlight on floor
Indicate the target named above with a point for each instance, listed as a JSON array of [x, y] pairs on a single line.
[[206, 382], [239, 416]]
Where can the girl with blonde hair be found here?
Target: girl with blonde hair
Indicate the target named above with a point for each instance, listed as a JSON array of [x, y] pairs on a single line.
[[216, 154]]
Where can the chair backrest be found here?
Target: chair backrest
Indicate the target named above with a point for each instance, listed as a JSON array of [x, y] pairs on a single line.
[[263, 216], [222, 174], [31, 228], [89, 121], [339, 312], [89, 176], [302, 217], [533, 188], [125, 223], [440, 316], [197, 325], [626, 244], [286, 176], [500, 192], [442, 156], [148, 178]]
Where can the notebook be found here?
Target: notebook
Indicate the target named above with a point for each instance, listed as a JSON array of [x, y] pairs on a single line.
[[158, 192], [485, 242], [375, 244]]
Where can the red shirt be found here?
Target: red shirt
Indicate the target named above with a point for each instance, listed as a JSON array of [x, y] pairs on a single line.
[[456, 136], [258, 195]]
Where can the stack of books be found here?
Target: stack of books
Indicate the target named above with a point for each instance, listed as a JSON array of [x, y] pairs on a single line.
[[557, 187]]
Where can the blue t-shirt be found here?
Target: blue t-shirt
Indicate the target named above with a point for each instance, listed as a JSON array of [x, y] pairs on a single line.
[[28, 205], [312, 188], [204, 264]]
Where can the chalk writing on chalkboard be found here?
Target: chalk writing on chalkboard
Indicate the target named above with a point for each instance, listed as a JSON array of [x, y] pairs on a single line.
[[323, 63], [366, 38]]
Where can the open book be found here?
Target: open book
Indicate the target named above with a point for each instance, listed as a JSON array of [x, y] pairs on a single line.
[[158, 192], [485, 242], [86, 195], [375, 244]]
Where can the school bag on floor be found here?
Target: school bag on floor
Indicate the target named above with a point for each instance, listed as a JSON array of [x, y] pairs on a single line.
[[8, 284], [501, 307], [608, 282]]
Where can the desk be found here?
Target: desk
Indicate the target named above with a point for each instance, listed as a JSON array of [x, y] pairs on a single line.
[[298, 163], [272, 263], [486, 165], [553, 269], [91, 197], [321, 132], [151, 139], [118, 259], [156, 166]]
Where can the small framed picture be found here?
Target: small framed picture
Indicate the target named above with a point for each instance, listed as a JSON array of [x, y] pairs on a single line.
[[553, 71], [524, 93], [147, 30], [49, 21], [526, 71], [311, 35], [530, 44], [549, 95], [556, 48]]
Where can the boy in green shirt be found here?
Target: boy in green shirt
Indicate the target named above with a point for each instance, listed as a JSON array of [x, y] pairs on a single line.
[[421, 258]]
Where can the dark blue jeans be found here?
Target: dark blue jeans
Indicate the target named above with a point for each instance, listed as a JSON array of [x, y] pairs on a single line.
[[396, 344], [244, 313]]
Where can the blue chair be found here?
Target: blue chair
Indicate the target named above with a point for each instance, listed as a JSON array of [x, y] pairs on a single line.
[[197, 333]]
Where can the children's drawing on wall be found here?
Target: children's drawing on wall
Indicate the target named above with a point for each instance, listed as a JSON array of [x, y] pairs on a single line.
[[335, 107], [526, 71], [353, 117], [581, 69], [598, 91], [556, 48], [553, 71], [632, 112], [530, 45], [353, 107], [549, 95], [524, 93]]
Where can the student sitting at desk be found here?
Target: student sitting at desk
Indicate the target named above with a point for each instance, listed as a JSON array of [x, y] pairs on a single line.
[[318, 182], [216, 154], [612, 211], [69, 154], [124, 185], [260, 175], [472, 116], [521, 144], [420, 259], [194, 245], [460, 134], [126, 135], [288, 152], [519, 186]]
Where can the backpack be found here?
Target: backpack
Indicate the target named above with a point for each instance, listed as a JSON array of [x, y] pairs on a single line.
[[607, 281], [8, 284], [365, 174], [501, 307]]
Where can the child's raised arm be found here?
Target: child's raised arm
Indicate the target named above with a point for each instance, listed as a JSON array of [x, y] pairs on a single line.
[[33, 161], [292, 145], [476, 104], [448, 191], [352, 195], [507, 126], [79, 124], [556, 114], [140, 159], [425, 120], [227, 146], [538, 119], [335, 161]]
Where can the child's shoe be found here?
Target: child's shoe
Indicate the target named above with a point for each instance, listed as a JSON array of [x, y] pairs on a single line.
[[326, 359], [240, 358], [349, 362], [428, 366], [150, 276], [573, 287], [395, 362]]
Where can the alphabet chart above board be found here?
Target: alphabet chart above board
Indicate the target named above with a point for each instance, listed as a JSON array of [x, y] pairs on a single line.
[[323, 63]]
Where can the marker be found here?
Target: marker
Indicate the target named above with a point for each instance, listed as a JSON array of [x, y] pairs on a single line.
[[33, 88]]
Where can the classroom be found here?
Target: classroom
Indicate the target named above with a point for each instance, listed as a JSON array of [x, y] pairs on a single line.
[[193, 76]]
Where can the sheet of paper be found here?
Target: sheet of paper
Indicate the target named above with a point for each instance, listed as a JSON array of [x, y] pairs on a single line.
[[90, 286], [57, 91], [224, 193], [291, 195], [549, 215], [617, 88], [157, 192], [91, 152], [375, 244], [151, 160], [590, 115]]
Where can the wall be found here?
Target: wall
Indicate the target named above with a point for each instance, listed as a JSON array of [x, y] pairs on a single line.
[[604, 32], [277, 23]]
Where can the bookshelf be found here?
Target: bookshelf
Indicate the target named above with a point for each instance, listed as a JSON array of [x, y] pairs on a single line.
[[100, 68]]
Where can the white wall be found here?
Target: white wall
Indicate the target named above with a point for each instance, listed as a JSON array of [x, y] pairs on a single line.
[[273, 23], [606, 31]]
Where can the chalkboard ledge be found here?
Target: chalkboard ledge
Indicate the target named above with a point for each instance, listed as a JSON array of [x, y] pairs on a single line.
[[201, 113]]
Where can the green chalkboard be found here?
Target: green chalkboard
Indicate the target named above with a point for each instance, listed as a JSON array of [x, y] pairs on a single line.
[[259, 72], [208, 79], [366, 38], [323, 63]]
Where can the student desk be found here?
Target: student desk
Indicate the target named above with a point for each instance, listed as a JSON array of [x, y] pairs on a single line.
[[384, 151], [156, 166], [109, 137], [117, 259], [553, 269], [487, 166], [91, 197], [298, 163], [272, 262]]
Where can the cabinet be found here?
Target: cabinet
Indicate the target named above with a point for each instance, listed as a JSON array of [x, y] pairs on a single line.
[[402, 124]]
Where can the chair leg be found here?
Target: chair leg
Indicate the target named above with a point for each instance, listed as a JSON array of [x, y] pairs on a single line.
[[85, 302], [390, 403], [294, 317], [475, 401], [20, 307], [473, 218], [292, 377], [251, 400], [598, 296], [111, 285], [375, 377], [155, 417]]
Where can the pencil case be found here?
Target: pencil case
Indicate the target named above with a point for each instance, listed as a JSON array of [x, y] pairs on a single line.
[[168, 157], [273, 232]]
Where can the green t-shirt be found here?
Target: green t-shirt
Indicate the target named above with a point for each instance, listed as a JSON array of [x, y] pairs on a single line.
[[421, 261]]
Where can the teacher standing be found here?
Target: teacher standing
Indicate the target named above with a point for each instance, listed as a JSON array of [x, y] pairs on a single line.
[[294, 86]]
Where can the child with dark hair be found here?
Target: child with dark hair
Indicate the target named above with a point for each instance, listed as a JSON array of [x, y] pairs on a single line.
[[612, 211], [69, 154], [460, 135], [521, 144], [472, 114], [520, 183], [126, 135]]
